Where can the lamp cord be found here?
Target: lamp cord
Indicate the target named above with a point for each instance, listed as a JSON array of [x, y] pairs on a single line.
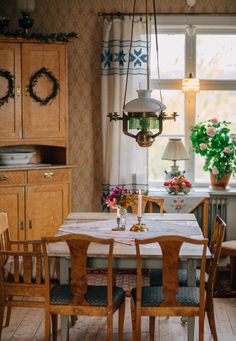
[[131, 42], [158, 64], [147, 47]]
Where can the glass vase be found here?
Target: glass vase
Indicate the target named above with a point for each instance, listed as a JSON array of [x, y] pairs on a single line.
[[123, 215]]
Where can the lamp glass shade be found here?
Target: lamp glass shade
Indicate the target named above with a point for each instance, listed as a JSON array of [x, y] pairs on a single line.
[[175, 150], [144, 103], [190, 84]]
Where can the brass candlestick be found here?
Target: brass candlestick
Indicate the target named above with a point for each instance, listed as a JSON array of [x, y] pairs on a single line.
[[139, 227]]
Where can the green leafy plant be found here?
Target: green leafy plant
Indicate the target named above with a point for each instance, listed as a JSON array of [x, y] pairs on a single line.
[[214, 140]]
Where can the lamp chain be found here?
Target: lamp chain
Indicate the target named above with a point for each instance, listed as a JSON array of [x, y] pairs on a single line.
[[147, 47], [158, 64], [131, 42]]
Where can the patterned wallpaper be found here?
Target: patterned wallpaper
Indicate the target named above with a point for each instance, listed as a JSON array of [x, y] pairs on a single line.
[[85, 141]]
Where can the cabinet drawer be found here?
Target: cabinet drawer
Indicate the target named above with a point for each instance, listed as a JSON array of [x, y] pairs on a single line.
[[43, 176], [12, 178]]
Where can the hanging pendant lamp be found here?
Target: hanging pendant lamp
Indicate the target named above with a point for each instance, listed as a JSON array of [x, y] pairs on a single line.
[[190, 84], [144, 113]]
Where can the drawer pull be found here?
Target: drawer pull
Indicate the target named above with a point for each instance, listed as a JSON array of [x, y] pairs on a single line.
[[3, 177], [30, 224], [48, 174]]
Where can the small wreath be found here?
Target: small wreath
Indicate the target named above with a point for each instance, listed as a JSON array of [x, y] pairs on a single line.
[[34, 80], [10, 92]]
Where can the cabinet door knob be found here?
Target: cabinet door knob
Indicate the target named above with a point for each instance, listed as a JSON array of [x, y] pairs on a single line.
[[3, 177], [27, 91], [18, 91], [48, 174], [30, 224], [21, 225]]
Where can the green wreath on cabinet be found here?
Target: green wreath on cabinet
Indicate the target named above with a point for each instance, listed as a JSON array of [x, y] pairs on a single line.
[[11, 83], [34, 80]]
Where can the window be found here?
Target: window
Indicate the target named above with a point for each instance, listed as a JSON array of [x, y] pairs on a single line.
[[210, 53]]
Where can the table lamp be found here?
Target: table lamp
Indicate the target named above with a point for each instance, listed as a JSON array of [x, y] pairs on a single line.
[[175, 151]]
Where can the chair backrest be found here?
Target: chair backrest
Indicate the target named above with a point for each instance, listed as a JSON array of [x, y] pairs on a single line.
[[201, 213], [78, 247], [150, 205], [217, 237], [4, 231], [170, 247], [22, 266]]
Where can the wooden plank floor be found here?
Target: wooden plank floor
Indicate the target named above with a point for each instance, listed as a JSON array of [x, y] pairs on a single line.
[[28, 325]]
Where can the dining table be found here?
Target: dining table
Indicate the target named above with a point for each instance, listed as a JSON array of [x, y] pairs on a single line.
[[103, 225]]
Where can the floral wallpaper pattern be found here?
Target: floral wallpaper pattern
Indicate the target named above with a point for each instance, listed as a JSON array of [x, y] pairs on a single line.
[[81, 16]]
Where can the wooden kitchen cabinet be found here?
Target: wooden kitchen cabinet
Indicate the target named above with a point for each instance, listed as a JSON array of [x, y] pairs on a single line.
[[10, 113], [38, 205], [12, 202], [37, 197], [44, 121], [22, 117]]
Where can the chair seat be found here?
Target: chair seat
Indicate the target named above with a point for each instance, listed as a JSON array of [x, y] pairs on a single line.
[[156, 277], [153, 296], [96, 295]]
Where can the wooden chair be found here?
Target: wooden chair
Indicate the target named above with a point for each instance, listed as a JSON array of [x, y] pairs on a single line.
[[78, 298], [170, 299], [25, 278], [201, 213], [229, 249], [150, 205], [215, 246]]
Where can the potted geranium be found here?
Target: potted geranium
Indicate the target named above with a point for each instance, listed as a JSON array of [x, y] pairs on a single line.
[[214, 140]]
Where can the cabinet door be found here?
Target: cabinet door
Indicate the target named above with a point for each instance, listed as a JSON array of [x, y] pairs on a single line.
[[47, 207], [10, 112], [12, 202], [44, 121]]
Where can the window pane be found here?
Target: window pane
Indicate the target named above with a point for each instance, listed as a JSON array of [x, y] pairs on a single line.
[[174, 101], [157, 166], [213, 104], [216, 104], [171, 49], [216, 56]]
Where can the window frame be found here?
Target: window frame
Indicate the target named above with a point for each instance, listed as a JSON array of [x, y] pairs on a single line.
[[204, 25]]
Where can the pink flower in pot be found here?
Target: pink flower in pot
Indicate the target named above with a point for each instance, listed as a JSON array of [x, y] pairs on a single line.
[[203, 146], [211, 131], [215, 170], [227, 150]]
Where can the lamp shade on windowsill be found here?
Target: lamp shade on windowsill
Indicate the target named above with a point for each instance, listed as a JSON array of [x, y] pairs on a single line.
[[175, 150], [190, 84]]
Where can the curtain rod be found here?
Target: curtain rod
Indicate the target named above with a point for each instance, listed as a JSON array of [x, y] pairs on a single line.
[[120, 14]]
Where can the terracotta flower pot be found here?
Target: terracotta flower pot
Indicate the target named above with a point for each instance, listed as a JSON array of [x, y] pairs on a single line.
[[220, 184]]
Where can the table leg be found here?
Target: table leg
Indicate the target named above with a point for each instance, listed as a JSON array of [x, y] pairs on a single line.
[[233, 271], [191, 271], [64, 278]]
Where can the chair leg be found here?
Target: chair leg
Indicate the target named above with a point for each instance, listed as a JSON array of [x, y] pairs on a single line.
[[47, 325], [1, 317], [133, 320], [137, 323], [73, 319], [211, 317], [201, 324], [8, 317], [54, 327], [152, 327], [121, 320], [110, 326]]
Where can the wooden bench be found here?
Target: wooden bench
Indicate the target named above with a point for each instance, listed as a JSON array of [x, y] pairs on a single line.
[[229, 249]]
